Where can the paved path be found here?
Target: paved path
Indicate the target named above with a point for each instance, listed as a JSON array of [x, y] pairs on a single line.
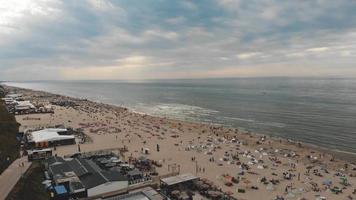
[[11, 175]]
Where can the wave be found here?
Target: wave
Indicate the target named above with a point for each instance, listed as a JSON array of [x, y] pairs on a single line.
[[273, 124], [175, 110]]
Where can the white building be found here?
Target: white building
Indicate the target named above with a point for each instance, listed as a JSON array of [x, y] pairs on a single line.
[[50, 137], [24, 105]]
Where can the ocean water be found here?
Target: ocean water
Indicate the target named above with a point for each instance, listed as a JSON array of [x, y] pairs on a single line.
[[312, 110]]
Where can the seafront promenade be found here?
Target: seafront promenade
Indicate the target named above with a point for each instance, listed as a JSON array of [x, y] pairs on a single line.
[[12, 175]]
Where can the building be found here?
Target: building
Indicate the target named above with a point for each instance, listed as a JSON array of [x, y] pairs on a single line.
[[24, 106], [146, 193], [39, 154], [13, 96], [8, 101], [50, 137], [180, 181], [84, 178]]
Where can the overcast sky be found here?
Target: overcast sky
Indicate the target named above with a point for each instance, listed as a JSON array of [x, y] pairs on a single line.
[[153, 39]]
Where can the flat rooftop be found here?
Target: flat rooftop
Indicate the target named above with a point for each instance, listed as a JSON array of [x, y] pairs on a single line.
[[178, 179], [49, 135]]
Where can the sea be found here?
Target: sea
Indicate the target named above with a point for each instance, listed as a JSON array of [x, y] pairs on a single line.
[[318, 111]]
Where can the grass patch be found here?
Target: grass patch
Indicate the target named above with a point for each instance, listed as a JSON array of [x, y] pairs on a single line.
[[30, 187]]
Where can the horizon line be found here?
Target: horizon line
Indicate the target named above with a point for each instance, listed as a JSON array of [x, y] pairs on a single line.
[[200, 78]]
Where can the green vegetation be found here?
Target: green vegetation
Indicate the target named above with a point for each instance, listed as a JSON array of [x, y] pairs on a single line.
[[30, 185], [9, 146]]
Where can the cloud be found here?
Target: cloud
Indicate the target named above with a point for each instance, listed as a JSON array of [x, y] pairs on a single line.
[[169, 35], [245, 56], [176, 20], [318, 49], [101, 5], [189, 4], [131, 67], [175, 39]]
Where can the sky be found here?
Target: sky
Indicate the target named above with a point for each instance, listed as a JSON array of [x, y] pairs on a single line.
[[172, 39]]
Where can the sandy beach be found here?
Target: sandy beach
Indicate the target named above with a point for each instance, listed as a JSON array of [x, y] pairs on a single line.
[[265, 167]]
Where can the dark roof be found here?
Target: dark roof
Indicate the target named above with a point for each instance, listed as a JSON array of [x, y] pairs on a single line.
[[114, 176], [82, 166], [135, 172], [95, 179], [92, 180], [87, 171], [77, 167], [90, 165], [60, 169], [54, 159]]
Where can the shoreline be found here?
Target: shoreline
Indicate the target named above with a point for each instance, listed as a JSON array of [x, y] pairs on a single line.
[[339, 154]]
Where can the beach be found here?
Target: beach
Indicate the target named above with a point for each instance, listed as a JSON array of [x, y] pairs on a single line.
[[265, 167]]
